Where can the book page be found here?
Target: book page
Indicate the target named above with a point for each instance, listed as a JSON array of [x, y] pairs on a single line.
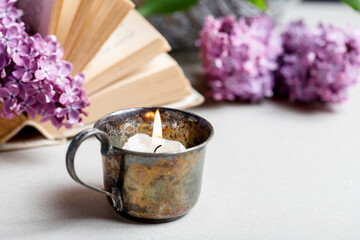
[[134, 43], [37, 15], [10, 127], [130, 37], [55, 16], [67, 15], [106, 19], [79, 25]]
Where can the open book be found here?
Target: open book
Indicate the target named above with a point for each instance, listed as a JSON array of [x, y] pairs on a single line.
[[123, 57]]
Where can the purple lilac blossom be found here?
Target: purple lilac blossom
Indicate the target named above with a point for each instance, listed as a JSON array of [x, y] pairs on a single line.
[[319, 64], [239, 57], [34, 80]]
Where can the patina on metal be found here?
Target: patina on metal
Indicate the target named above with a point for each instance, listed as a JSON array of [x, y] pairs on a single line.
[[151, 187]]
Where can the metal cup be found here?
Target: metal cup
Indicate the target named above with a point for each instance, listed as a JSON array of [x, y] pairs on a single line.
[[150, 187]]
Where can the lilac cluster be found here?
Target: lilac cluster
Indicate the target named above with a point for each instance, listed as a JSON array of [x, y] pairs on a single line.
[[239, 57], [34, 80], [318, 64]]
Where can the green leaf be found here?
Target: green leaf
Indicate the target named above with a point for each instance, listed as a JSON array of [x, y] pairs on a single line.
[[355, 4], [262, 4], [152, 7]]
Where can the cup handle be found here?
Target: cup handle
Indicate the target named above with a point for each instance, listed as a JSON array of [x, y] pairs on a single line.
[[105, 148]]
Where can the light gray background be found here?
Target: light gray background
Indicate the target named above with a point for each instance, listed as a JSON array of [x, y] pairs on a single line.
[[272, 171]]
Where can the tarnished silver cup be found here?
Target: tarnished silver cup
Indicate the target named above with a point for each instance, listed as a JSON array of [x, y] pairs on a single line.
[[151, 187]]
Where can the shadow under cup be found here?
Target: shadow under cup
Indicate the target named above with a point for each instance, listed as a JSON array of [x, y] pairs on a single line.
[[152, 187]]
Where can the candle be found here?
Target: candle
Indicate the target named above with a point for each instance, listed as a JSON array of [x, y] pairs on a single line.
[[155, 144]]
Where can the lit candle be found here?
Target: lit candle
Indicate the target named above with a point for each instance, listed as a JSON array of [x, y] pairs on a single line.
[[155, 144]]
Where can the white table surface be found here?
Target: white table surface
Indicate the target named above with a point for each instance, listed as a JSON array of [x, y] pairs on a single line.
[[272, 171]]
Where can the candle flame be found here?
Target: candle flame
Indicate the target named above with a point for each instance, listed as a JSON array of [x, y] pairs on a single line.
[[157, 130]]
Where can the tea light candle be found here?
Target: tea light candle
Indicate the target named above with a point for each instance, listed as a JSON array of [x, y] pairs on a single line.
[[155, 144]]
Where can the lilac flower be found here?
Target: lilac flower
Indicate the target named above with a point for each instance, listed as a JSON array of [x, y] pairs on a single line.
[[72, 113], [28, 106], [239, 57], [34, 80], [18, 52], [10, 36], [42, 90], [3, 56], [9, 96], [70, 95], [48, 46], [25, 72], [49, 114], [318, 64], [46, 71], [64, 69], [8, 11], [79, 80], [11, 80], [57, 122]]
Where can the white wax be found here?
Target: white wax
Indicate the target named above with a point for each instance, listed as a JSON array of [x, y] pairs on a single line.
[[144, 143]]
